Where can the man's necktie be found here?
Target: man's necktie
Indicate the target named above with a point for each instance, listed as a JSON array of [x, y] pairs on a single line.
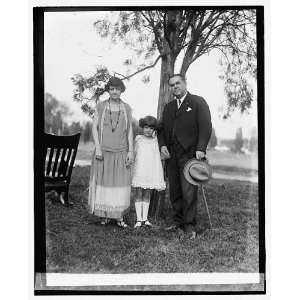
[[178, 102]]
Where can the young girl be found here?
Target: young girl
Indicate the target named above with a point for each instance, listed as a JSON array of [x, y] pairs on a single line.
[[147, 169]]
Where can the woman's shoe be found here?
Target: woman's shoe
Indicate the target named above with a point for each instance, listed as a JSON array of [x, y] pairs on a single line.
[[104, 221], [138, 224], [147, 223], [122, 224]]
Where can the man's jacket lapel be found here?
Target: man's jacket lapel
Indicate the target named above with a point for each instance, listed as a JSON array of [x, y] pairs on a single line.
[[174, 109], [183, 107]]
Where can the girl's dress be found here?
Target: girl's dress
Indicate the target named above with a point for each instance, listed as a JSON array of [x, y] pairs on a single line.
[[147, 170], [110, 179]]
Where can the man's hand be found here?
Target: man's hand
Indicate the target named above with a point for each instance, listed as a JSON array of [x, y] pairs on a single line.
[[165, 152], [200, 155]]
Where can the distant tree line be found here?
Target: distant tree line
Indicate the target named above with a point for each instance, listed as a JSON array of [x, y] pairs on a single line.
[[56, 114], [239, 144]]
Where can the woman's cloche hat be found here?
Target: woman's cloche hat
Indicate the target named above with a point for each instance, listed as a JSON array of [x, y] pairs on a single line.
[[197, 172], [115, 81]]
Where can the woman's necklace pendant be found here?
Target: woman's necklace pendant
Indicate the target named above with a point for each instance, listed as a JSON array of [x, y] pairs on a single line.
[[111, 122]]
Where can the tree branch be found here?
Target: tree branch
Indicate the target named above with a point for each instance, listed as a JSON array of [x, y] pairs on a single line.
[[183, 32], [202, 47], [141, 70], [154, 28], [223, 52], [191, 54], [207, 23]]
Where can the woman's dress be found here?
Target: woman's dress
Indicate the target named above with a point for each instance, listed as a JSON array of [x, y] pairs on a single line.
[[147, 170], [110, 179]]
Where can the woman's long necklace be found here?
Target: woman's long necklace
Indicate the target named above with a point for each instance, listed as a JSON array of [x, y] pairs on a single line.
[[111, 122]]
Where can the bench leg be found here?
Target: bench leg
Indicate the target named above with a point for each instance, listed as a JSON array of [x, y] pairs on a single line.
[[61, 199], [66, 196]]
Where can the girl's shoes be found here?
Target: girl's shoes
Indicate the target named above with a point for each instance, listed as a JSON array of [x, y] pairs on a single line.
[[138, 224], [122, 224], [147, 223]]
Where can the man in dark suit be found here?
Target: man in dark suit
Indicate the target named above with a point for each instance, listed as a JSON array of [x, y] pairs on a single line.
[[185, 132]]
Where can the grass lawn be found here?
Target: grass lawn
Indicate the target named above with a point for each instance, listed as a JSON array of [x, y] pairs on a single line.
[[77, 243]]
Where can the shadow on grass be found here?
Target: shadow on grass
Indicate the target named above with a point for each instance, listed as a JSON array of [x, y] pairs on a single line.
[[77, 243]]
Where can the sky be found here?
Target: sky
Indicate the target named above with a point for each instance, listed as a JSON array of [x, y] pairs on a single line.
[[73, 46]]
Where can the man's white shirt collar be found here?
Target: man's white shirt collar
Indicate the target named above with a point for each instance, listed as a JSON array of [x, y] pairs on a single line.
[[181, 100]]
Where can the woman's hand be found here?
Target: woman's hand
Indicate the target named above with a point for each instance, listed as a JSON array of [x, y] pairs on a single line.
[[129, 159], [99, 155]]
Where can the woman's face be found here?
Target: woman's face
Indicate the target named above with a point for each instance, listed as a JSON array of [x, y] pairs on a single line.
[[148, 131], [114, 92]]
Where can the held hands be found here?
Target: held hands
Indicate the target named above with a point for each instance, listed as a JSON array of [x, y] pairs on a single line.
[[129, 159], [99, 155], [200, 155], [165, 153]]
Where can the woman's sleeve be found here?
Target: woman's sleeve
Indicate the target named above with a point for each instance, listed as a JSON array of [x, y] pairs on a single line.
[[95, 128], [129, 127], [97, 110], [129, 114]]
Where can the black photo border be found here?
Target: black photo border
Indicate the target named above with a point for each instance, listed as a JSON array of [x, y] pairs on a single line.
[[39, 204]]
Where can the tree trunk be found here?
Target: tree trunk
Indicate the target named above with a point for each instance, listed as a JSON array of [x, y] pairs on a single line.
[[184, 67], [160, 200], [166, 70]]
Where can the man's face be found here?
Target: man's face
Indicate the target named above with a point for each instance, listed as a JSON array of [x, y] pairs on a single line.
[[178, 86]]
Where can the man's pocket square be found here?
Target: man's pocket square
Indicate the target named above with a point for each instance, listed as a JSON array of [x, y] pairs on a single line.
[[188, 109]]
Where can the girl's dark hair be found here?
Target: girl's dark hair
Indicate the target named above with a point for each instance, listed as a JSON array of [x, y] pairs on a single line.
[[148, 121]]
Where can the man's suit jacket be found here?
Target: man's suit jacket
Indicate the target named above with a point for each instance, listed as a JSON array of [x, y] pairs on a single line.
[[191, 124]]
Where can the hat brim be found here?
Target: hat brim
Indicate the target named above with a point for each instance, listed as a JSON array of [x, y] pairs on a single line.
[[187, 175]]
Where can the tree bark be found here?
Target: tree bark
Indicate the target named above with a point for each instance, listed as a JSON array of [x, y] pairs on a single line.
[[184, 67], [166, 70], [160, 200]]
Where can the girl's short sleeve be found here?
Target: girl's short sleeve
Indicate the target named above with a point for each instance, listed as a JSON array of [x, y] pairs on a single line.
[[137, 138], [136, 142]]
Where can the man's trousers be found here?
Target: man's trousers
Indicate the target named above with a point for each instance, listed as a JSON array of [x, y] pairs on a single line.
[[183, 195]]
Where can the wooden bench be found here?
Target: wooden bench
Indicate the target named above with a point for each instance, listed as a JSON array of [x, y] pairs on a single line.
[[59, 157]]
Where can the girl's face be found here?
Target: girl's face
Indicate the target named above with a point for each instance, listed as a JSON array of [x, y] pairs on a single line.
[[148, 131], [114, 92]]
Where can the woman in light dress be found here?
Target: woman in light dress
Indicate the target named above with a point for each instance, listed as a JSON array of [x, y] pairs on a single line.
[[110, 177]]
